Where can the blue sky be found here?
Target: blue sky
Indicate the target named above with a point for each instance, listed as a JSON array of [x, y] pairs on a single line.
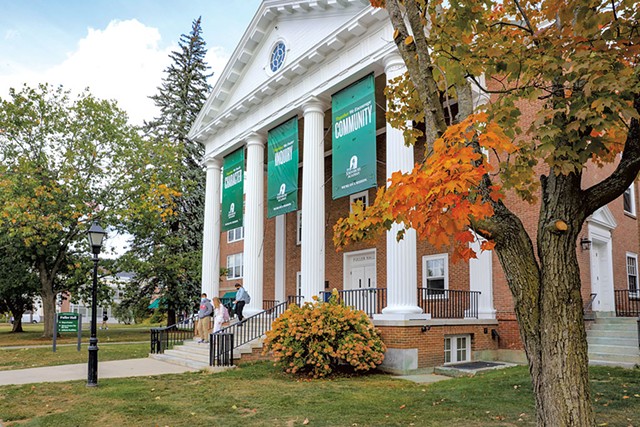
[[118, 48]]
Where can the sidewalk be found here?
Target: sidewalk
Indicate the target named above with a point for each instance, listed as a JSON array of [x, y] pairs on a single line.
[[112, 369]]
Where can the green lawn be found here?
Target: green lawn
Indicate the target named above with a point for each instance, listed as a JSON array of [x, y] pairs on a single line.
[[36, 357], [32, 335], [260, 395]]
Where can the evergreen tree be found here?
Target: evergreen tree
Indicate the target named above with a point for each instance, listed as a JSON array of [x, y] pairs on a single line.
[[166, 259]]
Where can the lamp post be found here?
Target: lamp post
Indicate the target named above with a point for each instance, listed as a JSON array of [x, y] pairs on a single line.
[[96, 234]]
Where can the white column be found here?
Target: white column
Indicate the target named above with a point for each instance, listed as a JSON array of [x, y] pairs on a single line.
[[254, 223], [402, 272], [481, 279], [211, 232], [313, 226], [281, 258]]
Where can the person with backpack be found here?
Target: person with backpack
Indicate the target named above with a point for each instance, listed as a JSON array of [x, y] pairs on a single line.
[[204, 319], [220, 314], [242, 298]]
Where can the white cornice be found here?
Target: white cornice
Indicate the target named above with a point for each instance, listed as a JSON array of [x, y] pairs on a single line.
[[211, 118]]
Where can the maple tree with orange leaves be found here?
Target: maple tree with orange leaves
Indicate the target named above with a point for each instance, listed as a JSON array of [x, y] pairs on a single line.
[[576, 65]]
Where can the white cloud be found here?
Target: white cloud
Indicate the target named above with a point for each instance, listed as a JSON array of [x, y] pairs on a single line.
[[11, 34], [123, 62]]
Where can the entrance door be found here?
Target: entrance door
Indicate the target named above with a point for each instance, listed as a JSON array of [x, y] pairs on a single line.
[[601, 276], [360, 283]]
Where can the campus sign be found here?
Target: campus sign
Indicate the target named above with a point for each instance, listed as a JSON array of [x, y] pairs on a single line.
[[354, 138], [282, 169], [68, 322], [232, 190]]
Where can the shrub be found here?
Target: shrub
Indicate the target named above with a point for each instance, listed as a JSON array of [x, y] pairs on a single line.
[[321, 336]]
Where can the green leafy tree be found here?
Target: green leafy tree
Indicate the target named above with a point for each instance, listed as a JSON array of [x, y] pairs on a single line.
[[65, 162], [18, 280], [167, 258], [563, 80]]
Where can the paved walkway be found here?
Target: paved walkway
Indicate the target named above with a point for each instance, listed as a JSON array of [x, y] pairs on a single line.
[[112, 369]]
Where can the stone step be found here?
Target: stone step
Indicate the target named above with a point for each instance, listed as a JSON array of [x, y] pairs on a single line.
[[183, 353], [180, 361], [614, 357], [626, 342], [614, 327], [615, 349], [624, 334], [628, 365]]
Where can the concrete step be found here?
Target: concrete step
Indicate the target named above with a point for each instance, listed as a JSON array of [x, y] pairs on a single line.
[[628, 365], [614, 327], [626, 342], [185, 354], [614, 357], [624, 334], [615, 349], [180, 361]]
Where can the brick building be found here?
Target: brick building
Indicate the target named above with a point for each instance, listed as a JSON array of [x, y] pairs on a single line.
[[296, 63]]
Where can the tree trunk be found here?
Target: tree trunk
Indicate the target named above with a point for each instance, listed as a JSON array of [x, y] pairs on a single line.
[[48, 307], [548, 304], [171, 317], [17, 324]]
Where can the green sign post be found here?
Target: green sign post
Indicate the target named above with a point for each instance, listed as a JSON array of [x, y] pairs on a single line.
[[232, 190], [354, 138], [67, 322], [282, 169]]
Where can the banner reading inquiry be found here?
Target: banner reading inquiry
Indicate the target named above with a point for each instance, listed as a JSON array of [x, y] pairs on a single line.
[[354, 138], [282, 169], [232, 190]]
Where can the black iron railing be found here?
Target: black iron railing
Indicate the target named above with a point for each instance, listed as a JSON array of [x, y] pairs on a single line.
[[448, 304], [295, 299], [269, 303], [369, 300], [233, 336], [589, 314], [627, 303], [166, 337]]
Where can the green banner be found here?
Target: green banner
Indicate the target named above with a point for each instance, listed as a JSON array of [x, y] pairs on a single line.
[[282, 169], [354, 138], [232, 190]]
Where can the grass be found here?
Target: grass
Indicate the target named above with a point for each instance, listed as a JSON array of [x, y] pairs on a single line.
[[260, 395], [32, 335], [35, 357]]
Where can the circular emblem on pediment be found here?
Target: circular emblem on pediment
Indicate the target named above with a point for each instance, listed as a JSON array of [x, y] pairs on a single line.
[[277, 56]]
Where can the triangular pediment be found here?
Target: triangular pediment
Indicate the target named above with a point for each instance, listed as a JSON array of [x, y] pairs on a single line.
[[604, 218], [310, 30]]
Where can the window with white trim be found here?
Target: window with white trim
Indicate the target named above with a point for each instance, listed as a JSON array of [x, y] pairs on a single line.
[[457, 348], [234, 266], [632, 274], [362, 196], [235, 235], [299, 227], [629, 200], [435, 273], [298, 284]]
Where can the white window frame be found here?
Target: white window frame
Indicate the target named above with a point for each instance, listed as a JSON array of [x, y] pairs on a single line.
[[299, 227], [232, 235], [363, 195], [632, 196], [425, 277], [454, 349], [298, 283], [630, 272], [232, 265]]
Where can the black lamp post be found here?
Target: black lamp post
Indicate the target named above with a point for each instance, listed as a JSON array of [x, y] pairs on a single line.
[[96, 235]]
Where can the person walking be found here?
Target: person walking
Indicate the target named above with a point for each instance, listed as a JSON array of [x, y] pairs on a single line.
[[104, 321], [220, 314], [204, 319], [242, 298]]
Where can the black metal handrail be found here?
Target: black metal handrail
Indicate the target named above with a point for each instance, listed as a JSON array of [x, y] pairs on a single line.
[[269, 303], [627, 303], [448, 303], [588, 308], [166, 337], [369, 300], [295, 299], [223, 342]]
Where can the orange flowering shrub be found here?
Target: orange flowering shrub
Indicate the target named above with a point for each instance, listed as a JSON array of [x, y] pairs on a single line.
[[318, 337]]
